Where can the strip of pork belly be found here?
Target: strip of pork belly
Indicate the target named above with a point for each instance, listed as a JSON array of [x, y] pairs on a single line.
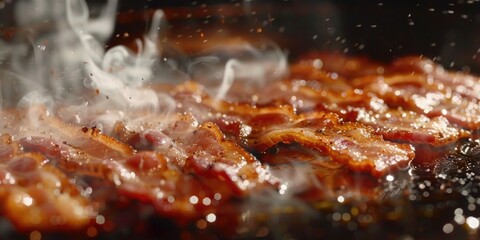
[[200, 164], [193, 98], [204, 150], [188, 160], [215, 170], [415, 83], [281, 100], [305, 172], [143, 176], [407, 126], [36, 121], [421, 94], [353, 144], [458, 82], [360, 106], [36, 195], [173, 193]]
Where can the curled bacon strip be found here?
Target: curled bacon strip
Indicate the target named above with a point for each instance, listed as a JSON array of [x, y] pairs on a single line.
[[272, 125], [407, 126], [36, 195], [353, 144], [354, 102], [221, 168], [214, 156], [423, 95], [196, 157], [464, 84]]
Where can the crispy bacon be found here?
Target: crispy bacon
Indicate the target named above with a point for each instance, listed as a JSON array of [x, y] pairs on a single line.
[[358, 106], [286, 154], [220, 166], [393, 124], [458, 82], [272, 125], [68, 158], [353, 144], [407, 126], [354, 102], [328, 121], [35, 195], [36, 121], [423, 95], [214, 156]]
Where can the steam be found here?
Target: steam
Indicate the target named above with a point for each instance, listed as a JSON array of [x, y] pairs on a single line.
[[64, 64], [119, 75], [247, 67]]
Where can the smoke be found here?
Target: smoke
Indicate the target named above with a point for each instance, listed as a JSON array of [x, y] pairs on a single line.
[[64, 60], [244, 67], [64, 70]]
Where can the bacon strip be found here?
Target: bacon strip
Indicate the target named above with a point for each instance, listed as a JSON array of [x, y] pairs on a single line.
[[353, 144], [35, 195], [22, 124], [362, 106], [312, 88], [466, 85], [272, 125], [424, 96], [221, 168], [407, 126]]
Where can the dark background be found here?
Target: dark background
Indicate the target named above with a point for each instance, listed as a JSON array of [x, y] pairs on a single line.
[[446, 31]]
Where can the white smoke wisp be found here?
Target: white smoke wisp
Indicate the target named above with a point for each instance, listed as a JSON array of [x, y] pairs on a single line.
[[91, 86], [135, 69], [243, 68], [119, 77], [60, 53], [228, 78]]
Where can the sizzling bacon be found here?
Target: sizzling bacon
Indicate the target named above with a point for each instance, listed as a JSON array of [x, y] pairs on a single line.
[[36, 121], [466, 85], [328, 122], [36, 195], [351, 105], [407, 126], [361, 106], [353, 144], [423, 95], [314, 88], [291, 154], [318, 177], [220, 166], [272, 125]]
